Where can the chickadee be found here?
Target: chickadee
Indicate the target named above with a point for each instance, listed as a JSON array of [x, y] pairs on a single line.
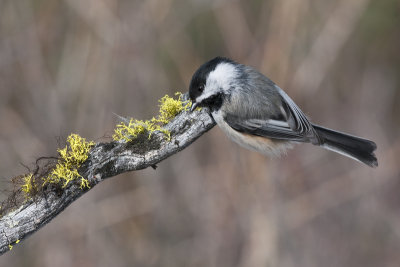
[[255, 113]]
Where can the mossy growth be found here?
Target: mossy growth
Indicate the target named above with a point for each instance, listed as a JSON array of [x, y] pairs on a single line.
[[50, 172], [169, 108], [71, 157], [62, 170], [10, 247], [29, 187]]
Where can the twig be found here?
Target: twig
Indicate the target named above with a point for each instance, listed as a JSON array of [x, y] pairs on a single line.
[[105, 160]]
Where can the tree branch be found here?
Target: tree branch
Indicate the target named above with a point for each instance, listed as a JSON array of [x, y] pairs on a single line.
[[105, 160]]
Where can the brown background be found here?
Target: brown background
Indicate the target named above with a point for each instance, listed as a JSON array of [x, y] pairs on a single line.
[[66, 66]]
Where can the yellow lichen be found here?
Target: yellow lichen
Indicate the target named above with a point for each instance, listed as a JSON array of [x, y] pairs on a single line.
[[71, 158], [169, 108], [29, 187], [10, 247], [129, 131], [77, 149]]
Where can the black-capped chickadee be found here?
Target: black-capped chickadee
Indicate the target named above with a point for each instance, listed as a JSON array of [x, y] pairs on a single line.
[[255, 113]]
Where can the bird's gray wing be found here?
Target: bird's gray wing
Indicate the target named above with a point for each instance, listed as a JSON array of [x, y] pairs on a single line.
[[266, 128], [292, 125], [296, 118]]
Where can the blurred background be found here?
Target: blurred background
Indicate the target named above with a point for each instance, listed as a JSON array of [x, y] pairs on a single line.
[[66, 66]]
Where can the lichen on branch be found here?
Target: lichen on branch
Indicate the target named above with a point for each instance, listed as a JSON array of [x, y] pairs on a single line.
[[77, 149], [29, 187], [56, 182], [169, 108], [71, 158]]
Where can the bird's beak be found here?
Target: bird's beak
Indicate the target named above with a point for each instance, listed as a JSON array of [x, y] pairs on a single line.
[[194, 105]]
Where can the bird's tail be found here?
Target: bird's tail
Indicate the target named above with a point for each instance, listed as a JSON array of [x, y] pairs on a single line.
[[351, 146]]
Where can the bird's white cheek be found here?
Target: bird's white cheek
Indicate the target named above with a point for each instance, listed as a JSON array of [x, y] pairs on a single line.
[[222, 77]]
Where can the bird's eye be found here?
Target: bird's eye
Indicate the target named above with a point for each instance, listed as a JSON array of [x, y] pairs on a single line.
[[201, 88]]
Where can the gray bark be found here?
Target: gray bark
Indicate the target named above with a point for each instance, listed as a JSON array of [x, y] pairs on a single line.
[[105, 160]]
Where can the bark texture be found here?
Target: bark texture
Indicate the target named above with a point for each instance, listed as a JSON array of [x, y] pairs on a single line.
[[105, 160]]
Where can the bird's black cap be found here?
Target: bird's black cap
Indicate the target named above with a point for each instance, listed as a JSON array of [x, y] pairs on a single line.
[[200, 76]]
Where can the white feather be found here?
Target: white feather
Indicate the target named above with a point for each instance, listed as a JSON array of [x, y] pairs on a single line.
[[278, 123], [334, 149], [220, 79]]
